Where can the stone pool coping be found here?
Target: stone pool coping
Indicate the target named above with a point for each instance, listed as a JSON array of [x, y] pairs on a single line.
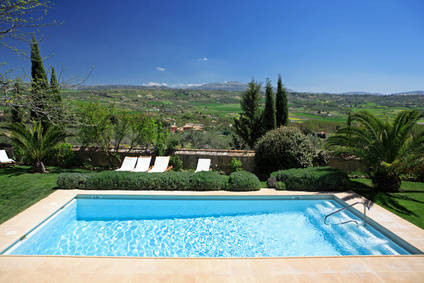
[[13, 268]]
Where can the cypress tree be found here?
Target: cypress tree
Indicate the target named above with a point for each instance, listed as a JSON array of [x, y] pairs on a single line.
[[39, 86], [56, 98], [269, 121], [17, 114], [248, 127], [281, 105]]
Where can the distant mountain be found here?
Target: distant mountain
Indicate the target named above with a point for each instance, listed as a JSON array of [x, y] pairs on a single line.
[[229, 86], [360, 93], [105, 87], [414, 92]]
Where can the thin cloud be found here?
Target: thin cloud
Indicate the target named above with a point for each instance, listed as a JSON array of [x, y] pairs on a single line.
[[160, 69], [182, 85], [154, 84], [204, 59]]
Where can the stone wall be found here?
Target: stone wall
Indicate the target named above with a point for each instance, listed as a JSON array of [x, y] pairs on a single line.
[[347, 165], [220, 159], [97, 157]]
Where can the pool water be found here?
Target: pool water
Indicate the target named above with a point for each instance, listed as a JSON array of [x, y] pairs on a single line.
[[203, 227]]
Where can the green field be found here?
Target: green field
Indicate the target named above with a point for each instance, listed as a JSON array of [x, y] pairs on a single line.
[[202, 106]]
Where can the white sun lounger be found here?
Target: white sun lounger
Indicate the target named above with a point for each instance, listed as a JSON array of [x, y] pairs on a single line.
[[143, 164], [161, 165], [203, 165], [128, 164], [4, 159]]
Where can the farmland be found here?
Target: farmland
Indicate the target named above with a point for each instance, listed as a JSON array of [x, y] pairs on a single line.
[[215, 110], [218, 108]]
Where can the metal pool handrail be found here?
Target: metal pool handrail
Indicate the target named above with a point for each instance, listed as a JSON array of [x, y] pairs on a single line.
[[364, 218]]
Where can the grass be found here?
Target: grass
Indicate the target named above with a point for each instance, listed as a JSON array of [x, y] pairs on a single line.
[[408, 204], [19, 188]]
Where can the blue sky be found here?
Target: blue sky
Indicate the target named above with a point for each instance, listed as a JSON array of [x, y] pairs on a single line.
[[332, 46]]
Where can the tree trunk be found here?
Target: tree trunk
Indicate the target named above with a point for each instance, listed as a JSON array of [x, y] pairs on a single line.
[[387, 182], [39, 167]]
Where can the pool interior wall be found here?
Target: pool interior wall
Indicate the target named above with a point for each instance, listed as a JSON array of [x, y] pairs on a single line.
[[207, 226]]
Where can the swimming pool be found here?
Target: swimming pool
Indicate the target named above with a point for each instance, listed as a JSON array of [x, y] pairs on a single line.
[[207, 226]]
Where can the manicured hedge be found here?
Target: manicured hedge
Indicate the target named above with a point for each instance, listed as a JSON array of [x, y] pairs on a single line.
[[170, 181], [243, 181], [310, 179], [204, 181]]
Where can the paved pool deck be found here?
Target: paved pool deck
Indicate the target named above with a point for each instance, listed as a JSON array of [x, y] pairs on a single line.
[[13, 268]]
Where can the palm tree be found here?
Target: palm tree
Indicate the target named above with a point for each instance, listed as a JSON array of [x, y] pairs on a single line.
[[34, 141], [386, 147]]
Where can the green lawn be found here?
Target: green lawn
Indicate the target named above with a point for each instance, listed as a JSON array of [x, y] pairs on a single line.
[[408, 204], [19, 189]]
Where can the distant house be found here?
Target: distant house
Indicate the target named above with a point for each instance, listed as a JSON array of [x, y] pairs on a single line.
[[173, 129], [187, 127]]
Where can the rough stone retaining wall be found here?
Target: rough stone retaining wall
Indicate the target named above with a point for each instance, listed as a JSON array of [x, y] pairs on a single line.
[[220, 158]]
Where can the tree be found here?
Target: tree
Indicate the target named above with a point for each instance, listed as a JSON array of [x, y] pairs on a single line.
[[19, 19], [387, 148], [39, 86], [282, 115], [95, 125], [34, 141], [55, 99], [248, 127], [269, 121], [143, 131], [17, 112]]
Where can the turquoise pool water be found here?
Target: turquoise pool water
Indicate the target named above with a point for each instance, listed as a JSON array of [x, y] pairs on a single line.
[[203, 227]]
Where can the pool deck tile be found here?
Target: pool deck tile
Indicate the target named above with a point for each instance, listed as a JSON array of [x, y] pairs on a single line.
[[107, 269]]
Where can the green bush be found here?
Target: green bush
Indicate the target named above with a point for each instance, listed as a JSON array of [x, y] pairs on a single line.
[[72, 180], [236, 165], [113, 180], [243, 181], [310, 179], [176, 163], [63, 155], [282, 148], [207, 181]]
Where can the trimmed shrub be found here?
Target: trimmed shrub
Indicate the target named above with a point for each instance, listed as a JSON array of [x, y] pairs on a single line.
[[72, 180], [113, 180], [207, 181], [310, 179], [243, 181], [282, 148], [174, 181]]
